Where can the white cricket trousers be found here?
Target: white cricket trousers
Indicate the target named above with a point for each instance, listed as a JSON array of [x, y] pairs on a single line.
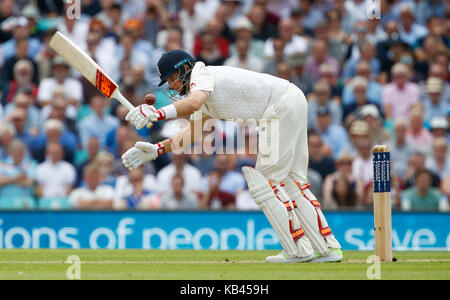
[[283, 158]]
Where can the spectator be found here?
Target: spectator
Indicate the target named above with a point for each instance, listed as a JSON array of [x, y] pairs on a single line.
[[22, 82], [319, 56], [362, 168], [210, 46], [192, 19], [439, 128], [93, 195], [358, 130], [322, 98], [17, 173], [179, 165], [429, 9], [343, 193], [177, 198], [82, 158], [415, 163], [55, 177], [210, 53], [333, 198], [319, 160], [60, 82], [422, 196], [171, 39], [417, 135], [20, 31], [337, 38], [7, 134], [222, 180], [105, 164], [18, 119], [45, 56], [293, 44], [24, 100], [54, 132], [439, 70], [434, 104], [400, 95], [367, 53], [244, 31], [97, 123], [300, 78], [7, 8], [271, 63], [140, 83], [58, 110], [410, 31], [214, 197], [264, 22], [439, 162], [135, 191], [373, 89], [21, 53], [333, 135], [359, 86], [329, 73], [371, 115], [401, 150], [311, 16], [244, 59]]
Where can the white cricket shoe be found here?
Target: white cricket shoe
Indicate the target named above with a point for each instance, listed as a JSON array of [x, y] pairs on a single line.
[[334, 255], [283, 257]]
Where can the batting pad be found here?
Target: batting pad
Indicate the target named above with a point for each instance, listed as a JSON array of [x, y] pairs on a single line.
[[311, 218], [275, 211]]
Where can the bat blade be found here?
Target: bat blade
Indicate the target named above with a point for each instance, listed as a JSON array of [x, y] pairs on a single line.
[[87, 67]]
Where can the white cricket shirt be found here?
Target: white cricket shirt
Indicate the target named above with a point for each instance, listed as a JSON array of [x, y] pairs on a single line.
[[235, 93]]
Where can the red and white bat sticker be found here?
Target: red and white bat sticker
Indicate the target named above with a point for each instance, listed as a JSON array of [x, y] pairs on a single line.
[[104, 84]]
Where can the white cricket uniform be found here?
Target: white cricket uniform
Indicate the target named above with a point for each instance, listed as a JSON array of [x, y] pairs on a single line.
[[235, 93], [280, 108]]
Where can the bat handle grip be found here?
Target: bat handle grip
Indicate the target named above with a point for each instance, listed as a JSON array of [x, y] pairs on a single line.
[[118, 95]]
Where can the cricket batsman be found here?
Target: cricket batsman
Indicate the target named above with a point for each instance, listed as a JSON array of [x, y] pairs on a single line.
[[278, 183]]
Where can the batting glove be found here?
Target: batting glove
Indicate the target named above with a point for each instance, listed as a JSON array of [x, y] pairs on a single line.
[[144, 115], [141, 153]]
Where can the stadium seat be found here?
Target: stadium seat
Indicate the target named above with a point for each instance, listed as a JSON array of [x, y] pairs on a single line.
[[17, 203], [54, 203]]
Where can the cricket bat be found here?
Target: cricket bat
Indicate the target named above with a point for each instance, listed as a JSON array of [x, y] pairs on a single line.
[[90, 70]]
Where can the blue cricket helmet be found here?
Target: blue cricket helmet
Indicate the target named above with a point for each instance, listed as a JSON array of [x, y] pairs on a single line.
[[172, 61]]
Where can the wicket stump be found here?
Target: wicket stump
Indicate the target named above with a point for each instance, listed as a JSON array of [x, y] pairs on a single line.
[[382, 202]]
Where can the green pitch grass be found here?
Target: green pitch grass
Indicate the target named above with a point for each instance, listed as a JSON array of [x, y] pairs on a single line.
[[211, 265]]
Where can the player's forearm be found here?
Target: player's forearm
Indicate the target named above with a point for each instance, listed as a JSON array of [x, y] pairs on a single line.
[[187, 106], [180, 140]]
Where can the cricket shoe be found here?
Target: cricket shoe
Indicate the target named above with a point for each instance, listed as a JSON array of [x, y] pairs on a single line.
[[283, 257], [334, 255]]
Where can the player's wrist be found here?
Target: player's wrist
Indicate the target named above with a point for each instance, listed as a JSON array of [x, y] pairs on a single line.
[[168, 112], [160, 149]]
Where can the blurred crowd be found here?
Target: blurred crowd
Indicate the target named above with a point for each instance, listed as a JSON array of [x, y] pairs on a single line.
[[373, 72]]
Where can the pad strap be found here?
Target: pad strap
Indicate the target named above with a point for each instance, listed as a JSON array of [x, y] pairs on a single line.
[[295, 233], [324, 231]]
